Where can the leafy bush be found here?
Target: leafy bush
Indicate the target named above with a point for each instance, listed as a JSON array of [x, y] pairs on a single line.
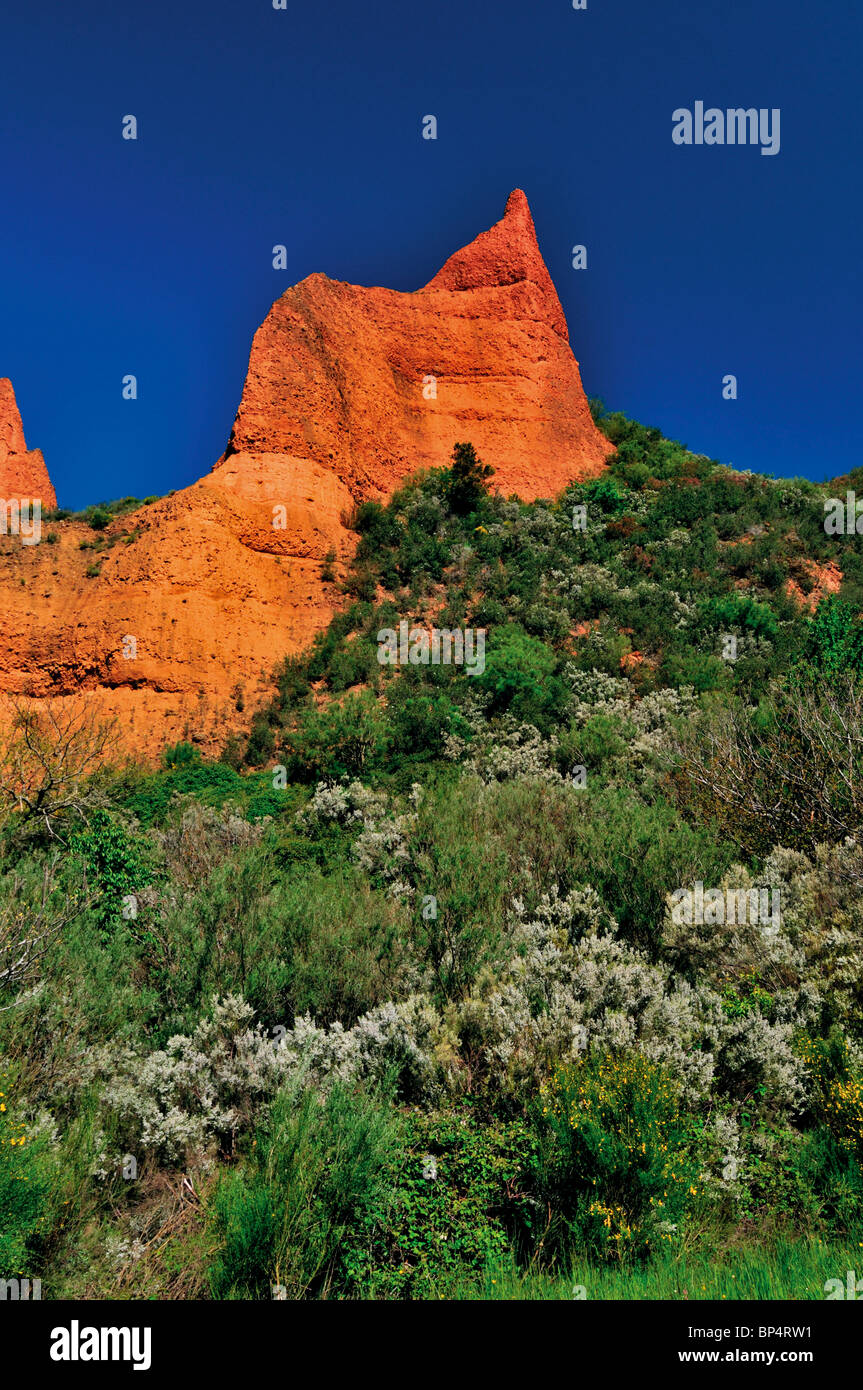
[[25, 1185], [340, 740], [835, 638], [520, 676], [319, 1170], [181, 755], [98, 517], [606, 494], [115, 866], [617, 1170], [456, 1201]]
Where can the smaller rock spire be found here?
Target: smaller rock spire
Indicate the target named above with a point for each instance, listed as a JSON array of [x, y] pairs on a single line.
[[22, 470], [11, 429]]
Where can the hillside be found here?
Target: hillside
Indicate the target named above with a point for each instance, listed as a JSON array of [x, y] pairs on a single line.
[[472, 979]]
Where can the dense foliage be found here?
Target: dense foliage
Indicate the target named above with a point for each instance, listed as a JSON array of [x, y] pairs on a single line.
[[397, 998]]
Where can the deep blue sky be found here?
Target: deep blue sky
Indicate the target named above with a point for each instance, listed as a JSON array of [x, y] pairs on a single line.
[[259, 126]]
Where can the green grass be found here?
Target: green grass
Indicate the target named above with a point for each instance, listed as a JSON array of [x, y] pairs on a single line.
[[788, 1269]]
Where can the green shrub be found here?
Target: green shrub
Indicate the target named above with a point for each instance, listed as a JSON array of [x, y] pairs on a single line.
[[463, 865], [520, 676], [98, 517], [835, 638], [457, 1201], [151, 797], [837, 1091], [334, 948], [378, 527], [181, 755], [25, 1184], [606, 494], [830, 1178], [616, 1170], [318, 1170], [343, 739], [115, 864]]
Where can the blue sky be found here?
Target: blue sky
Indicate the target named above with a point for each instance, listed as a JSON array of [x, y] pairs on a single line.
[[260, 126]]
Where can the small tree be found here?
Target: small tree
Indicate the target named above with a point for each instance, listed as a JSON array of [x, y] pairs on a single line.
[[53, 754], [835, 638], [467, 482], [339, 740]]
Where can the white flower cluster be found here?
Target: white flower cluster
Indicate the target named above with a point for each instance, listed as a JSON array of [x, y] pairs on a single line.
[[381, 847], [200, 1091], [394, 1041], [512, 750]]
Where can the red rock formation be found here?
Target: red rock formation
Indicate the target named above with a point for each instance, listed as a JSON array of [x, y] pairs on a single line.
[[22, 471], [215, 584], [174, 618], [337, 373]]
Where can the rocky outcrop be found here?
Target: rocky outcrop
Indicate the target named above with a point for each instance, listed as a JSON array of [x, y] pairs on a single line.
[[173, 618], [375, 384], [22, 471]]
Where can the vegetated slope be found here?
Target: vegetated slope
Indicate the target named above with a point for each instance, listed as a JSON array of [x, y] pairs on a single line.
[[407, 1011], [642, 575]]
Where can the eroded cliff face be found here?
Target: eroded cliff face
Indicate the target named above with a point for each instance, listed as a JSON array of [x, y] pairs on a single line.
[[182, 613], [175, 623]]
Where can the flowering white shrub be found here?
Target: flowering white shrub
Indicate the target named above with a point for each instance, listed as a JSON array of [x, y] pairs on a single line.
[[758, 1054], [198, 1090], [513, 750], [201, 1090], [817, 950], [381, 847], [394, 1041]]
